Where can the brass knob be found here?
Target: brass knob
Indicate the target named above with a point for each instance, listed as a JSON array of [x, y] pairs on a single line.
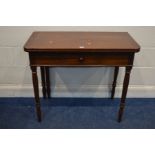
[[81, 59]]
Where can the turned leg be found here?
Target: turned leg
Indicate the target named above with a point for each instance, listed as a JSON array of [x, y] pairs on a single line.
[[124, 92], [36, 91], [114, 82], [48, 89], [42, 70]]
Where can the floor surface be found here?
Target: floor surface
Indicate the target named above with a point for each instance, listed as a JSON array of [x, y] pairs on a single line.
[[77, 113]]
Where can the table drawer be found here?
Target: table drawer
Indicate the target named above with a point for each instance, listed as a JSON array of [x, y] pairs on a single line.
[[81, 59]]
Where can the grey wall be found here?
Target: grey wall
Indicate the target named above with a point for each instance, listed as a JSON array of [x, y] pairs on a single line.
[[15, 75]]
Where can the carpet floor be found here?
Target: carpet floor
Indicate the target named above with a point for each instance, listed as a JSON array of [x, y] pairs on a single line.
[[77, 113]]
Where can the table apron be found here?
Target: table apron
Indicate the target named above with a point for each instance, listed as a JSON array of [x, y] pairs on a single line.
[[81, 59]]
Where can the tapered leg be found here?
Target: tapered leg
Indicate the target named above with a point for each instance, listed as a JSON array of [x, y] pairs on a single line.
[[114, 82], [48, 89], [43, 77], [124, 92], [36, 91]]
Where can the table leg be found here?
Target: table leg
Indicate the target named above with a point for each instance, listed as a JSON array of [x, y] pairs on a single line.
[[124, 92], [36, 91], [48, 89], [114, 82], [43, 76]]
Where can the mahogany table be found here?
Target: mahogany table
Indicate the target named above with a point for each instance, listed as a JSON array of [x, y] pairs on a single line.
[[46, 49]]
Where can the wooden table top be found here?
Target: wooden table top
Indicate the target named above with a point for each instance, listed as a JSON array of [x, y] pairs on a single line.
[[81, 41]]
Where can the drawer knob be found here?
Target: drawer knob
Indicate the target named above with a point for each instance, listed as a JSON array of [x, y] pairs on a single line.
[[81, 59]]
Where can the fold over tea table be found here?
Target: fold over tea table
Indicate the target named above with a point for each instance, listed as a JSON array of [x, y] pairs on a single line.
[[84, 49]]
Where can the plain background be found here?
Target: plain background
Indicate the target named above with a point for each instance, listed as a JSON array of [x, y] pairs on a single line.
[[15, 77]]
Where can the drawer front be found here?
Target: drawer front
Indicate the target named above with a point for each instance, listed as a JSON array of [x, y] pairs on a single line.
[[81, 59]]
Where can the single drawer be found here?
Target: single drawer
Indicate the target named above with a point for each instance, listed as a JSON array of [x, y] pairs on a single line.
[[81, 59]]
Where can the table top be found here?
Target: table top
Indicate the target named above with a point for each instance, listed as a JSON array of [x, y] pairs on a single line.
[[81, 41]]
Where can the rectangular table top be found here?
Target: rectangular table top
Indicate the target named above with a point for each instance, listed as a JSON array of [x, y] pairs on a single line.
[[81, 41]]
